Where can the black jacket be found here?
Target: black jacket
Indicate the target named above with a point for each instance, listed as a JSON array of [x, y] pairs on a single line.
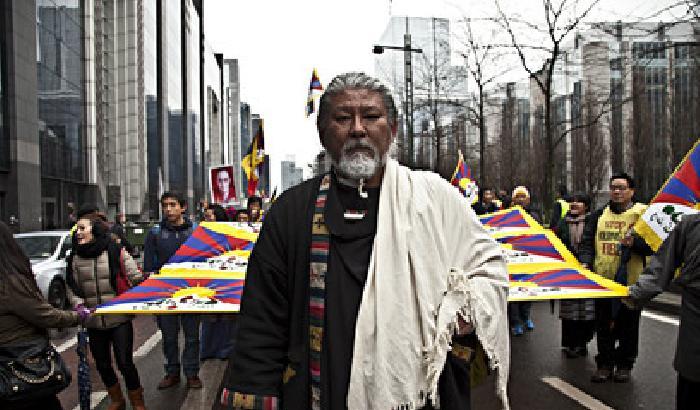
[[272, 342], [680, 249], [162, 242]]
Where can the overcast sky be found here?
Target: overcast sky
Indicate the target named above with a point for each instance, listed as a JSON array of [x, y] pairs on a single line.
[[278, 43]]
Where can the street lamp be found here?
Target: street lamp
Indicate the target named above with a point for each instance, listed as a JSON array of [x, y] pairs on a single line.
[[408, 76]]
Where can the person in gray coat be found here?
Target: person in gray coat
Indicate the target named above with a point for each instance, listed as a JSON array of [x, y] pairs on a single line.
[[680, 250], [95, 268]]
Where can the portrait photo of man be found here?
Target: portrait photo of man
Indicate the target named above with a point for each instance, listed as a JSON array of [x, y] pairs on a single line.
[[221, 181]]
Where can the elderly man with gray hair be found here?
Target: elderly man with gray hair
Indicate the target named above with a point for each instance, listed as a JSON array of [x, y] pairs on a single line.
[[371, 287]]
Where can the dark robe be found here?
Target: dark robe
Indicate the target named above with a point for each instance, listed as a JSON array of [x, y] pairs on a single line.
[[272, 347]]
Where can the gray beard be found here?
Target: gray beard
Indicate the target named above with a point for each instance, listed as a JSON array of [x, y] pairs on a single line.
[[351, 168]]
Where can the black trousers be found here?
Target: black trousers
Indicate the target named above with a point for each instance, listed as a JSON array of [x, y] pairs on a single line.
[[618, 335], [576, 333], [121, 338], [687, 394]]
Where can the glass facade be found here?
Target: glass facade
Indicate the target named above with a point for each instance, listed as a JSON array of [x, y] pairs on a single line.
[[4, 135], [150, 77], [193, 98], [59, 89], [173, 68]]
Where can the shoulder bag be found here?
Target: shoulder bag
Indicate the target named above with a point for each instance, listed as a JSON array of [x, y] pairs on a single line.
[[31, 369]]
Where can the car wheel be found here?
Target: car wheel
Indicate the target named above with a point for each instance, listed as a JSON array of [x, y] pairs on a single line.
[[57, 294]]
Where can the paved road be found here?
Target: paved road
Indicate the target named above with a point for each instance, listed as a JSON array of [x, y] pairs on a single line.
[[541, 377]]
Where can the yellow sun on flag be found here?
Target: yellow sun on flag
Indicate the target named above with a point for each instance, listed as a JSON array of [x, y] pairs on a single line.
[[197, 291]]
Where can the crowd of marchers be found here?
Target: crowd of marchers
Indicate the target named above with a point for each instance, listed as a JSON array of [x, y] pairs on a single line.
[[383, 266]]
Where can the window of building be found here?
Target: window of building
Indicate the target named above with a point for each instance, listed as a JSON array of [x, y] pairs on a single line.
[[681, 51], [655, 50], [60, 89]]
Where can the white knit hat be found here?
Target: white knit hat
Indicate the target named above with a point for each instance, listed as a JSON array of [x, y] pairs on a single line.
[[520, 190]]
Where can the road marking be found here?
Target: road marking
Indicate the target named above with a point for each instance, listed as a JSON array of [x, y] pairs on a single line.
[[96, 398], [67, 344], [148, 345], [577, 395], [661, 318]]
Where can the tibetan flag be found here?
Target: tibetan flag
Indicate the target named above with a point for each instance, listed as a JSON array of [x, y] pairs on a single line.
[[565, 282], [540, 267], [315, 88], [534, 248], [680, 195], [514, 218], [254, 160], [205, 275], [462, 179]]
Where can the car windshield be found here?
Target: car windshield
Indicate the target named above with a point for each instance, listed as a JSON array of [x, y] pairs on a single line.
[[38, 247]]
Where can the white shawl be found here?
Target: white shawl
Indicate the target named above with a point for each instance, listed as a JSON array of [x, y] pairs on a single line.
[[431, 261]]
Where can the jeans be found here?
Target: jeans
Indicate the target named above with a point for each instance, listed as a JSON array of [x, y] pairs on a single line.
[[618, 337], [170, 328], [122, 340], [518, 313]]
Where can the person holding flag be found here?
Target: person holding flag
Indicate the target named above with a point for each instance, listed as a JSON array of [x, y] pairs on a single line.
[[254, 160], [609, 248]]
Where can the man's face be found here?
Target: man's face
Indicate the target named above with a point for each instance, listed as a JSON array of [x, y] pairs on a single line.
[[521, 199], [577, 207], [254, 210], [222, 181], [209, 215], [620, 191], [488, 196], [357, 132], [242, 217], [172, 209]]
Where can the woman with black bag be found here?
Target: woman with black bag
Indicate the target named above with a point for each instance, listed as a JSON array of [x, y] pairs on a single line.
[[97, 269], [25, 351]]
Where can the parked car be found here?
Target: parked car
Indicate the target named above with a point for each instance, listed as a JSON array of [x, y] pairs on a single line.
[[47, 251]]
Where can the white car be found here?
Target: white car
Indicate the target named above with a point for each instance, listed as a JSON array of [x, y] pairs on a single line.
[[47, 251]]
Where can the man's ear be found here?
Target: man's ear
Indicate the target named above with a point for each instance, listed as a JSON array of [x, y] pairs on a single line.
[[394, 129], [321, 137]]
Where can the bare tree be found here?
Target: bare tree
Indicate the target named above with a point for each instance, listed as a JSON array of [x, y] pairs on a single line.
[[561, 20], [440, 95], [589, 147], [482, 59]]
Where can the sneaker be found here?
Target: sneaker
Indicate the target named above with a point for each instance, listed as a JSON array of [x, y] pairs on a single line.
[[168, 381], [622, 375], [518, 330], [601, 375], [529, 324], [194, 382]]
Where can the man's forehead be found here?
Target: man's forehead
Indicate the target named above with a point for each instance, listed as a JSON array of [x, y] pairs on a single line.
[[619, 181], [357, 97]]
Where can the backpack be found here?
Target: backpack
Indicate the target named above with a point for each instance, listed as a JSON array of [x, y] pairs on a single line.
[[118, 278]]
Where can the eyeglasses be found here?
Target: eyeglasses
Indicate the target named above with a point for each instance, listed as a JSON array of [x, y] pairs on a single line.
[[618, 188]]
